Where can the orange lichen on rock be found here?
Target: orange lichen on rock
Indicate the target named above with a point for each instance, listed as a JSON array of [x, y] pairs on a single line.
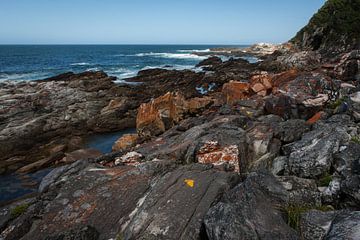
[[126, 141], [234, 91], [213, 153]]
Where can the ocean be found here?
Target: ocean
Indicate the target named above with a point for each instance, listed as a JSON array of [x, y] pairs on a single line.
[[33, 62]]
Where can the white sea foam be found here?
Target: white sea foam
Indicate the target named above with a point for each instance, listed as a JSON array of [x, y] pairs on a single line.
[[172, 55], [80, 64], [122, 73], [24, 76], [92, 69], [194, 50]]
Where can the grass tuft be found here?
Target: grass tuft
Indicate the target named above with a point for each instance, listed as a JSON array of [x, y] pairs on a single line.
[[325, 180], [18, 210], [294, 213]]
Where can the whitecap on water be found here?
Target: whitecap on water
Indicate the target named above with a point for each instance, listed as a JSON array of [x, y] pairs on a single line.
[[172, 55], [193, 50], [80, 64], [24, 76]]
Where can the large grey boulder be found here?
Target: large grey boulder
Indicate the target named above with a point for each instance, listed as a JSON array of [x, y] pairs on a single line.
[[346, 226], [252, 210], [312, 156], [347, 165], [315, 224]]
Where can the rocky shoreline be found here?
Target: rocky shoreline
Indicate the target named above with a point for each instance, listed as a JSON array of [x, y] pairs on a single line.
[[265, 150]]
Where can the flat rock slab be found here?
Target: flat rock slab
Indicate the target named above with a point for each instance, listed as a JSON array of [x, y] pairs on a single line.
[[177, 204], [98, 197]]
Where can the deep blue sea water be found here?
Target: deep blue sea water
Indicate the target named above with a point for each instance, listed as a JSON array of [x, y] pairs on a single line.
[[32, 62]]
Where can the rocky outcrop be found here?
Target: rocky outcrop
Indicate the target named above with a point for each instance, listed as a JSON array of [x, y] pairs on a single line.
[[252, 210], [175, 206], [38, 117], [333, 29], [164, 112], [199, 166], [234, 91]]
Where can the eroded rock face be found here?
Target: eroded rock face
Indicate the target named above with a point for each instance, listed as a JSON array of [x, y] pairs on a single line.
[[250, 211], [164, 112]]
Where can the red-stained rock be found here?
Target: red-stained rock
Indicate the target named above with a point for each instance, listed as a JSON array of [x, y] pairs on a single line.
[[213, 153], [195, 104], [263, 79], [155, 117], [315, 118], [126, 141], [164, 112], [234, 91], [284, 77]]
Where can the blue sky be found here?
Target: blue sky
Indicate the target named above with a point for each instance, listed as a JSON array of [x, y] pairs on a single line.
[[152, 21]]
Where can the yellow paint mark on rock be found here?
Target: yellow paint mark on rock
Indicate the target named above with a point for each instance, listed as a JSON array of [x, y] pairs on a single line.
[[189, 182]]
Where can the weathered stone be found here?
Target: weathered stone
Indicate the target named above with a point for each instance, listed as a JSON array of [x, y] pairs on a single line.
[[347, 164], [345, 226], [302, 192], [234, 91], [41, 163], [312, 156], [90, 195], [251, 210], [261, 84], [174, 209], [164, 112], [278, 165], [125, 142], [315, 224], [183, 146], [291, 130], [212, 153], [349, 66], [80, 154], [130, 158], [79, 233]]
